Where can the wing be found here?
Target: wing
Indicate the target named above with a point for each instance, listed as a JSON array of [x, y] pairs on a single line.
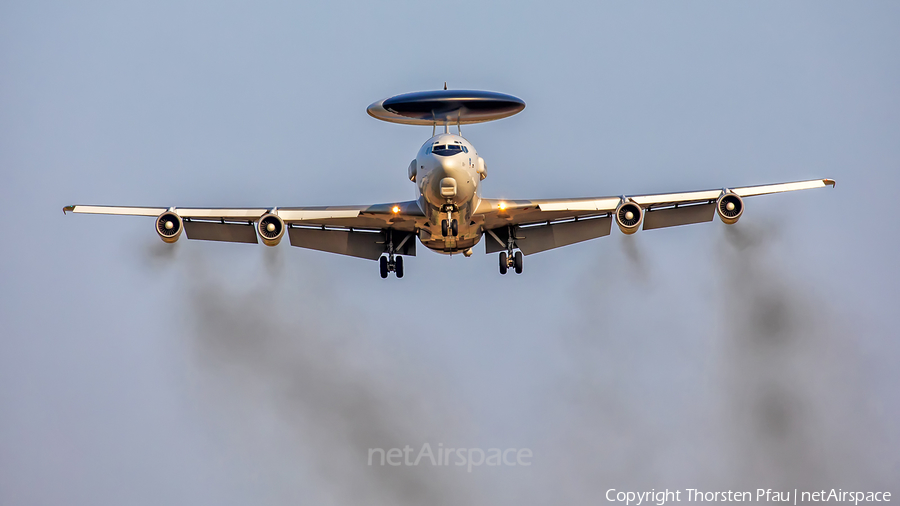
[[361, 231], [539, 225]]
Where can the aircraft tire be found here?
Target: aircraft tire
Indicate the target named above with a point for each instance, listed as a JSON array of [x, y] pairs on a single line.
[[518, 262], [398, 267], [383, 267], [445, 228], [454, 228], [504, 266]]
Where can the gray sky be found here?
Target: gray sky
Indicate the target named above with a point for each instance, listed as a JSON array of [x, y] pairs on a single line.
[[762, 355]]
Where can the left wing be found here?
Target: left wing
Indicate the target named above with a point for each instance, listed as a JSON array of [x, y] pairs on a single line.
[[361, 231], [539, 225]]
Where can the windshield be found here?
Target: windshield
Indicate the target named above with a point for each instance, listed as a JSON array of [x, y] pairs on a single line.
[[448, 149]]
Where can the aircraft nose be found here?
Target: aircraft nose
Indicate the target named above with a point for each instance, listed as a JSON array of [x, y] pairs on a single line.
[[450, 179], [448, 187], [452, 163]]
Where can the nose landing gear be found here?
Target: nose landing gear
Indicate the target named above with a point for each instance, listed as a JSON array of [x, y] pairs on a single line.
[[450, 226]]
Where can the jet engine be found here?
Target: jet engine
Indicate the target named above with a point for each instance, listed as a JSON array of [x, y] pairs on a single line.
[[628, 217], [169, 226], [271, 229], [729, 207]]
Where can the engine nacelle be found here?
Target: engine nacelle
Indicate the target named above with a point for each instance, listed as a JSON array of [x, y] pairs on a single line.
[[413, 169], [729, 207], [629, 217], [271, 229], [169, 226], [481, 168]]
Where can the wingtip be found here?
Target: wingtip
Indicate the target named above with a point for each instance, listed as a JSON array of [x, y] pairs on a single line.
[[828, 182], [68, 209]]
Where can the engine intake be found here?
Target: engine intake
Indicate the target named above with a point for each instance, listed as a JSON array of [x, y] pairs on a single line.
[[629, 217], [169, 226], [271, 229], [729, 207]]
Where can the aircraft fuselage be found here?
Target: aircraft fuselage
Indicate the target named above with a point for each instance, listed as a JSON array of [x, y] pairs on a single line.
[[449, 183]]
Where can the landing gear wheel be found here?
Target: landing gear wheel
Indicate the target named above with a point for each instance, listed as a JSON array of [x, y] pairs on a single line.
[[445, 228], [454, 228], [504, 263], [398, 267], [517, 261], [383, 266]]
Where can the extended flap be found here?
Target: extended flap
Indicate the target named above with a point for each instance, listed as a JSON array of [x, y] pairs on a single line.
[[675, 216], [227, 232], [533, 240], [343, 242], [495, 240]]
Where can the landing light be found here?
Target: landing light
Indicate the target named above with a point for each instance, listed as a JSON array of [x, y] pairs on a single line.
[[395, 209], [502, 206]]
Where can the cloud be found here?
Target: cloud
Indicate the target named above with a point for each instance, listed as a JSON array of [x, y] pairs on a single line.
[[295, 370], [740, 380]]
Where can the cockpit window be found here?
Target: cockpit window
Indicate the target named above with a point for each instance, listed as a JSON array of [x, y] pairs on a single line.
[[447, 149]]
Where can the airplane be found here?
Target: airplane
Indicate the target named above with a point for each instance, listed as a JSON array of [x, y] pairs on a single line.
[[450, 215]]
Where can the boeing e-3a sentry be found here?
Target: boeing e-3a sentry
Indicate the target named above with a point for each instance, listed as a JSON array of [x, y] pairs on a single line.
[[450, 215]]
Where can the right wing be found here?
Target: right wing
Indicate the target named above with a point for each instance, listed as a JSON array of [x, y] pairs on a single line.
[[539, 225]]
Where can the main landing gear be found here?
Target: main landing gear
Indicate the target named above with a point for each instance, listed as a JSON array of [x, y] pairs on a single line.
[[509, 258], [394, 265], [514, 260]]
